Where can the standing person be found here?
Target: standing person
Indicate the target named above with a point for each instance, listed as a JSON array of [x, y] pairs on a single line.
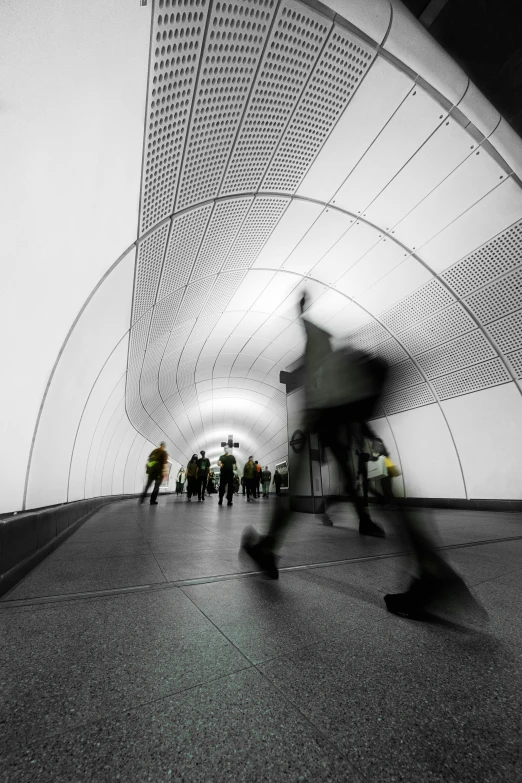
[[236, 482], [192, 476], [156, 468], [265, 478], [203, 469], [243, 484], [257, 477], [226, 477], [180, 481], [278, 480], [249, 474], [210, 483]]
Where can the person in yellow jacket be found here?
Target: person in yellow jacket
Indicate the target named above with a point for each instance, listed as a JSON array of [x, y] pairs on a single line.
[[156, 469]]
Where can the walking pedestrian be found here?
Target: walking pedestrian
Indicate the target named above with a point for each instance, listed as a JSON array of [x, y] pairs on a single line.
[[257, 477], [180, 481], [156, 467], [203, 469], [192, 476], [266, 475], [249, 474], [341, 391], [278, 480], [226, 477]]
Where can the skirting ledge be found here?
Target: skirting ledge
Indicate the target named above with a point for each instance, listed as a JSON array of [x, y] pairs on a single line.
[[27, 538], [312, 505]]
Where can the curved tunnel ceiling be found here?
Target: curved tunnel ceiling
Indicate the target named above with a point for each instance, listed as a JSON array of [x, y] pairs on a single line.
[[286, 148]]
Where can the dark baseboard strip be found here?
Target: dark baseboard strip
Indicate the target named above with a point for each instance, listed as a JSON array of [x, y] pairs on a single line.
[[26, 539], [312, 505]]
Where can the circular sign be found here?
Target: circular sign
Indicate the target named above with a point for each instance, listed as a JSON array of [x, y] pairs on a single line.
[[297, 441]]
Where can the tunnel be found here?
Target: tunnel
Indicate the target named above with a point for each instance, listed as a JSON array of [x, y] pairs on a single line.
[[176, 173]]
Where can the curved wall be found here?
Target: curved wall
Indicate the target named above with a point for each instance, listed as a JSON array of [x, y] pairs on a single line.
[[376, 175]]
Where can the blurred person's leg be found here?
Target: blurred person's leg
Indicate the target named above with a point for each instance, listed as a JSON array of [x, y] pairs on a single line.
[[230, 489], [150, 479], [222, 486], [157, 483]]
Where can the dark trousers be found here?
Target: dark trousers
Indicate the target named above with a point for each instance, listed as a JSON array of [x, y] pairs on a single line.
[[192, 486], [278, 490], [339, 429], [157, 481], [226, 481], [250, 485], [202, 483]]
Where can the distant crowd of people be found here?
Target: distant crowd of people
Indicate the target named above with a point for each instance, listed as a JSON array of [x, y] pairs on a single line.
[[200, 480]]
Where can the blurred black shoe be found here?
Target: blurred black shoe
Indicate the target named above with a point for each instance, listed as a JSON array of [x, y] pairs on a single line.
[[230, 503], [369, 528], [264, 557], [154, 503]]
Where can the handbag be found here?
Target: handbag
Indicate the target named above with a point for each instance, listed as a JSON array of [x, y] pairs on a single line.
[[393, 470]]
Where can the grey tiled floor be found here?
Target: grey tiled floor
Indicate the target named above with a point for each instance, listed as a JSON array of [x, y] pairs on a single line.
[[243, 679]]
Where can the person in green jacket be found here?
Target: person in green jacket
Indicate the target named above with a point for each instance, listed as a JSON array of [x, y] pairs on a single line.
[[249, 474], [156, 465]]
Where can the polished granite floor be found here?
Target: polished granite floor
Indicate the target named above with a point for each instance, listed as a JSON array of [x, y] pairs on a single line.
[[145, 649]]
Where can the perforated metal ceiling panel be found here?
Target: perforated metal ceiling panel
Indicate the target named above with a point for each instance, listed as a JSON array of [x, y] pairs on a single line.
[[258, 114]]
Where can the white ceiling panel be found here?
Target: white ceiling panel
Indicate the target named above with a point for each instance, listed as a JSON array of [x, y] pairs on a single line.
[[275, 350], [256, 345], [351, 247], [223, 364], [350, 318], [249, 290], [235, 343], [488, 217], [377, 263], [291, 228], [370, 109], [413, 122], [249, 325], [401, 281], [275, 293], [470, 182], [327, 306], [261, 365], [273, 326], [443, 152], [319, 239]]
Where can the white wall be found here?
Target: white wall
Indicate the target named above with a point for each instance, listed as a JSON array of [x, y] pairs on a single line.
[[73, 78], [101, 326], [487, 427], [427, 455]]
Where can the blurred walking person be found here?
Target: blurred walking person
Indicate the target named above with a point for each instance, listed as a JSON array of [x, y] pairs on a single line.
[[266, 475], [226, 477], [257, 477], [249, 474], [180, 481], [278, 480], [156, 469], [203, 469], [192, 477], [341, 391]]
